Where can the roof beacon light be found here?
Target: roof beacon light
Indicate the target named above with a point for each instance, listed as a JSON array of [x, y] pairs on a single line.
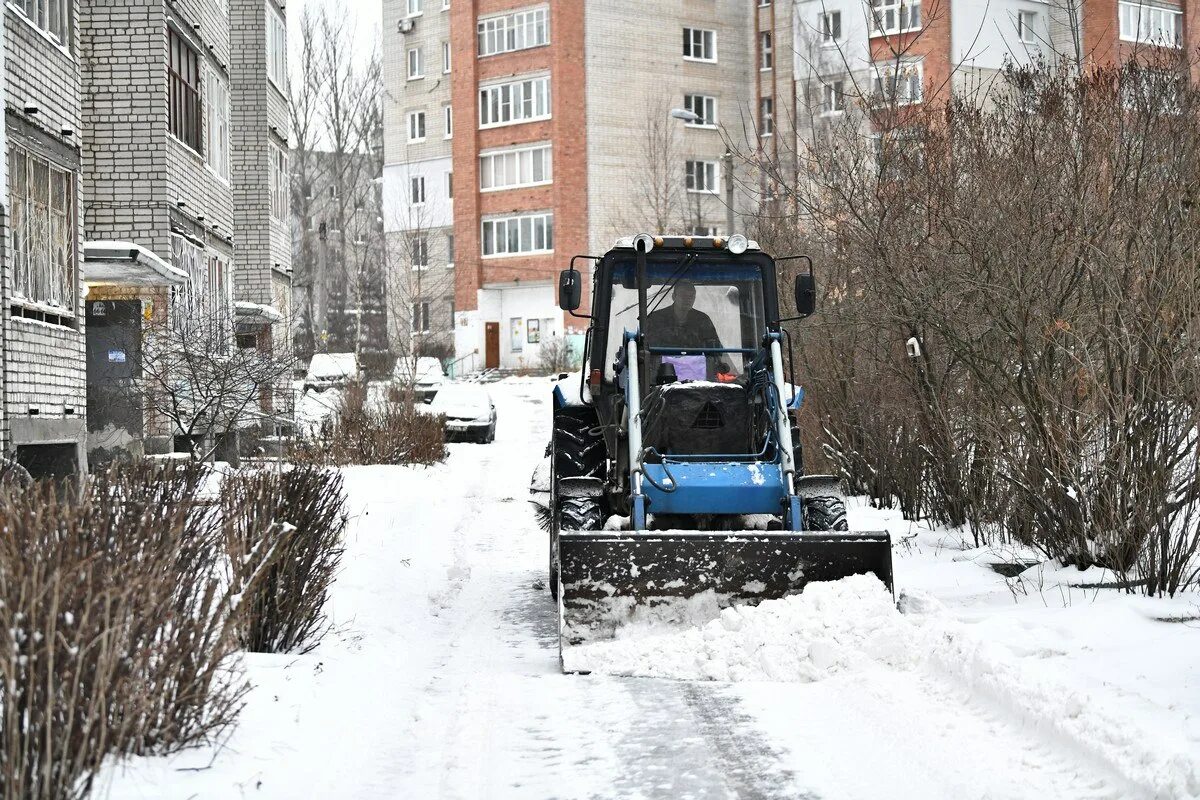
[[738, 244]]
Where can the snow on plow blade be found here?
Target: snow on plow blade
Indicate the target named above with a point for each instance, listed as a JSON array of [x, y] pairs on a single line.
[[605, 576]]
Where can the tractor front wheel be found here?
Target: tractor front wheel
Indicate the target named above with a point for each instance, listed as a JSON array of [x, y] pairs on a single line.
[[825, 514]]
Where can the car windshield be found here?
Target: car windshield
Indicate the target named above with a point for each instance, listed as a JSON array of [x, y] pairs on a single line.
[[694, 309]]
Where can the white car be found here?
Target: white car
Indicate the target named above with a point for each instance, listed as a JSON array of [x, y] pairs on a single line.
[[426, 376], [331, 370], [469, 411]]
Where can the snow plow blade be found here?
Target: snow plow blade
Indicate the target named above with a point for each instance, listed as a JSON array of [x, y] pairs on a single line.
[[604, 576]]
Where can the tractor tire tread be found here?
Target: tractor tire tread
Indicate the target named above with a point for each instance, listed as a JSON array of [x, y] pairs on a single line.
[[826, 513]]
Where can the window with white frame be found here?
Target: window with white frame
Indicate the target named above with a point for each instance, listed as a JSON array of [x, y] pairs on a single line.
[[518, 234], [420, 251], [702, 106], [217, 132], [415, 69], [217, 295], [510, 32], [42, 220], [188, 257], [833, 98], [445, 58], [445, 5], [703, 230], [895, 16], [1027, 27], [450, 185], [416, 194], [448, 121], [416, 126], [699, 44], [766, 51], [703, 176], [449, 249], [830, 25], [52, 16], [1149, 24], [280, 182], [766, 116], [897, 83], [420, 317], [509, 169], [516, 101], [415, 7], [276, 48]]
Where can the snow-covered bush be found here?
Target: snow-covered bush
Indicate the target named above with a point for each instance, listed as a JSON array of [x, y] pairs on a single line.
[[369, 429], [116, 628], [299, 516]]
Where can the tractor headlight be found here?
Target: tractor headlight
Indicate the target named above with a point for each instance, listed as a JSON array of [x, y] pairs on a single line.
[[738, 244]]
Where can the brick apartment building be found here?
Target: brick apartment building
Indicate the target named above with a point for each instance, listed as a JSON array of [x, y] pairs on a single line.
[[517, 133], [146, 166], [44, 400]]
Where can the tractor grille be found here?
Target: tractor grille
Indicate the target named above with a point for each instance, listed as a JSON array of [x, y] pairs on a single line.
[[709, 417]]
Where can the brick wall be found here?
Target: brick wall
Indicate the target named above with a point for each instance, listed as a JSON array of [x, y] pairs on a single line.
[[44, 369]]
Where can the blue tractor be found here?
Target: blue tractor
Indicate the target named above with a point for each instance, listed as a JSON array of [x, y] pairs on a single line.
[[674, 462]]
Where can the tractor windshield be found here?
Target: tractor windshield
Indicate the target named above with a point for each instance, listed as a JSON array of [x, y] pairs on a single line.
[[701, 316]]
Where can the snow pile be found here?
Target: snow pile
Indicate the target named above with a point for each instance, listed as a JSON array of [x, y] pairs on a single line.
[[849, 625]]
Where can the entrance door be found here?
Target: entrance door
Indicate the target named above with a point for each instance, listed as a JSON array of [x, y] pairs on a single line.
[[491, 342], [114, 345]]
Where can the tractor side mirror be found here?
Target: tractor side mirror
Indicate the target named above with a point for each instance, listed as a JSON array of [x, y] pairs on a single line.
[[806, 295], [570, 289]]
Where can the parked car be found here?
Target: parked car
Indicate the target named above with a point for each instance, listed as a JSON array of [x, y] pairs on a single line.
[[331, 370], [469, 411], [426, 375]]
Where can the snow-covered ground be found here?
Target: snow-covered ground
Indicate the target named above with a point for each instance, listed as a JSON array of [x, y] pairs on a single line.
[[442, 678]]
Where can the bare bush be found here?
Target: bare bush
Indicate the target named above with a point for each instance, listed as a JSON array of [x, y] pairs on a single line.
[[386, 429], [556, 355], [1038, 249], [299, 516]]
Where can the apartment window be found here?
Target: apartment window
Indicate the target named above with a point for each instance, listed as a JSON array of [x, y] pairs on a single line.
[[702, 176], [450, 185], [895, 16], [42, 207], [420, 252], [280, 182], [898, 83], [510, 32], [217, 137], [702, 106], [184, 89], [708, 231], [414, 64], [764, 3], [449, 249], [1027, 27], [831, 27], [445, 5], [766, 116], [217, 285], [416, 194], [445, 57], [189, 258], [415, 7], [834, 98], [526, 233], [508, 169], [699, 44], [276, 48], [52, 16], [448, 120], [416, 126], [517, 101], [766, 50], [1151, 24], [420, 317]]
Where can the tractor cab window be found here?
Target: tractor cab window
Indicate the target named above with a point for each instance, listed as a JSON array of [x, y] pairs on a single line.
[[697, 314]]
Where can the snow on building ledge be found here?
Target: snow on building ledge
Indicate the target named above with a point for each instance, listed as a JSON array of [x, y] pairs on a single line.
[[256, 313], [114, 263]]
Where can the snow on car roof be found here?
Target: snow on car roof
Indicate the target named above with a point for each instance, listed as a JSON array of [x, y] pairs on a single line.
[[332, 366]]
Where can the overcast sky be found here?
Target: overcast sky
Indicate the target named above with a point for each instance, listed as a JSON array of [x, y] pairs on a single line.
[[366, 15]]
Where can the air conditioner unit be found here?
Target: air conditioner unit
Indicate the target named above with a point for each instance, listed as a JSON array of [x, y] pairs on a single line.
[[406, 25]]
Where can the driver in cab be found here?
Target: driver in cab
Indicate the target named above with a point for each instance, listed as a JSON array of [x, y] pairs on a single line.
[[681, 325]]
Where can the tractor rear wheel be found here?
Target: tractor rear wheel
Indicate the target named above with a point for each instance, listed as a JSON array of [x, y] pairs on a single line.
[[825, 514]]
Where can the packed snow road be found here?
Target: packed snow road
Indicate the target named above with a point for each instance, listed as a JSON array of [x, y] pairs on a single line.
[[442, 680]]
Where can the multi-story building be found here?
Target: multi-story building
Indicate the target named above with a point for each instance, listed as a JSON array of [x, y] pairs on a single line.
[[44, 400], [520, 133]]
